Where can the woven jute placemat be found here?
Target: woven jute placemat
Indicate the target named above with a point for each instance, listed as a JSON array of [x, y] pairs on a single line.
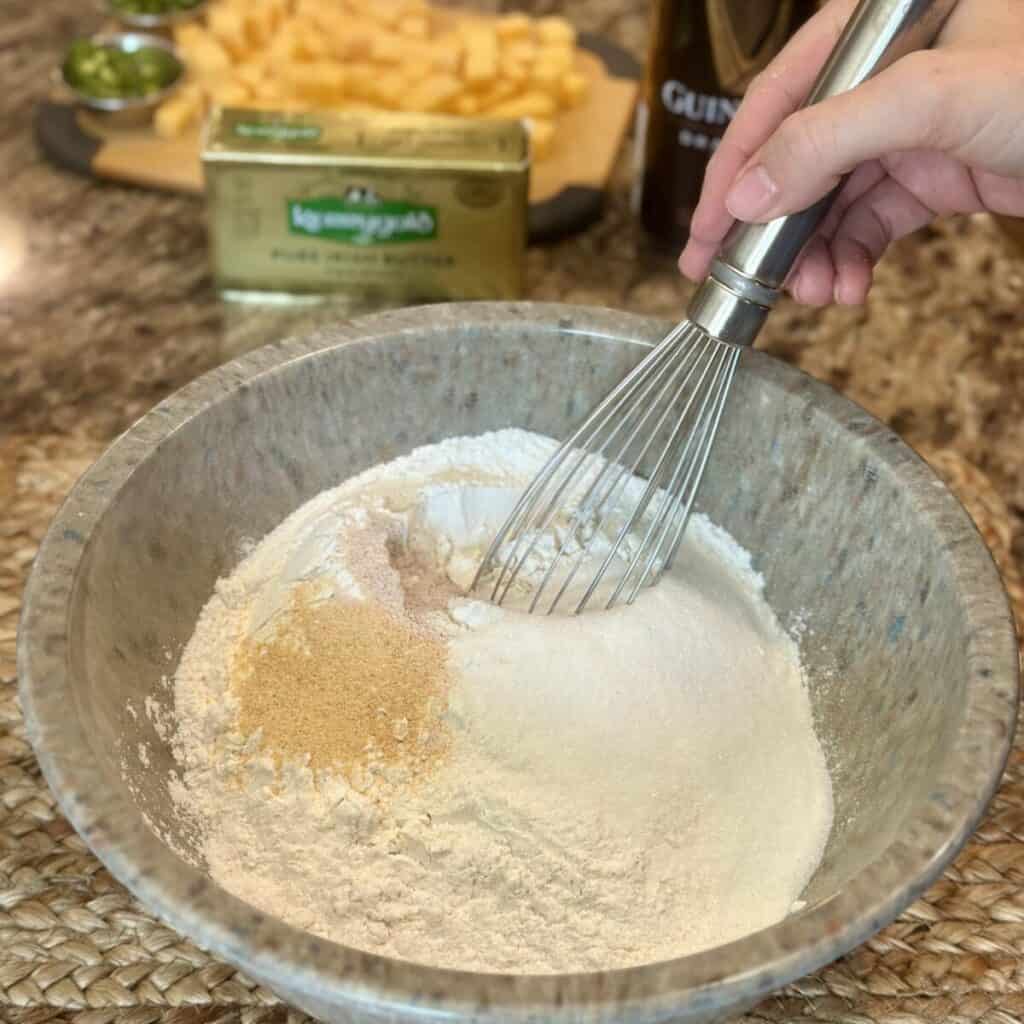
[[75, 946]]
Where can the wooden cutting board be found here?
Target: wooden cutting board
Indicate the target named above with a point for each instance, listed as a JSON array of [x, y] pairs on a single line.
[[566, 188]]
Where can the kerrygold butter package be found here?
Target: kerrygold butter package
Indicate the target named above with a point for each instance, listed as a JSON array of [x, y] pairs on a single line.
[[395, 207]]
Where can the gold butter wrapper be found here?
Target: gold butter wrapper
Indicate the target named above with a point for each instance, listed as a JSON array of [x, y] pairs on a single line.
[[388, 207]]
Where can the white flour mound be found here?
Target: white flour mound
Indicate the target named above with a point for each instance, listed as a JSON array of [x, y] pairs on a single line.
[[622, 786]]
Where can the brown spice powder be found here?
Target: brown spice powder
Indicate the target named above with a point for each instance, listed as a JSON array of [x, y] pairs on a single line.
[[346, 682]]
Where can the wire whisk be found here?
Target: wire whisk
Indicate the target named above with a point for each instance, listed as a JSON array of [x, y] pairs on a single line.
[[610, 507], [675, 396]]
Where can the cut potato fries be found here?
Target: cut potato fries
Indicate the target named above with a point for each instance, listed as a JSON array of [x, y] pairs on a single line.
[[376, 55]]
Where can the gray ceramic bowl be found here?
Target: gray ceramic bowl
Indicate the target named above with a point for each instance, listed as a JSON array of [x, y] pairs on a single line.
[[906, 630]]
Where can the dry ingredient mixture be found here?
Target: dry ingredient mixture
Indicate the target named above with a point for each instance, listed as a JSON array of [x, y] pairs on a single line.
[[371, 755]]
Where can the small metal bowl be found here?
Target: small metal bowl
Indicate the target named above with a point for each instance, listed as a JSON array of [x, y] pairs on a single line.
[[155, 21], [128, 42]]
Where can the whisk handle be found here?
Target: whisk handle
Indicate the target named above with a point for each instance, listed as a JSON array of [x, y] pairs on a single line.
[[755, 259]]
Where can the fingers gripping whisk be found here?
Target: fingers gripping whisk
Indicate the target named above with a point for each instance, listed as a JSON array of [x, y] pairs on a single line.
[[606, 514]]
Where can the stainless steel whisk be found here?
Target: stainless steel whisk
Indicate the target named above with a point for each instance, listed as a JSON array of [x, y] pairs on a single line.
[[665, 414]]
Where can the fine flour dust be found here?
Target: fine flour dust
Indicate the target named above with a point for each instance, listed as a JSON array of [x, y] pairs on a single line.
[[368, 754]]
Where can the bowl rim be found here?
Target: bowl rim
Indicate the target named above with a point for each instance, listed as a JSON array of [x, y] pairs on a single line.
[[328, 973], [167, 19]]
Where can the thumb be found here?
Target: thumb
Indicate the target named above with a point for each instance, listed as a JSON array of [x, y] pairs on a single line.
[[907, 106]]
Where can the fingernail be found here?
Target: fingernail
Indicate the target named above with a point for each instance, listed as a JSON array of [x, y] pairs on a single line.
[[752, 195], [843, 292]]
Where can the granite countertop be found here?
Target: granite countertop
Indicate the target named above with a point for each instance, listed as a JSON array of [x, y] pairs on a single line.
[[106, 305]]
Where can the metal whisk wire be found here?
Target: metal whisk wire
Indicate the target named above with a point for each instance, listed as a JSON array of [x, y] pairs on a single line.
[[682, 488], [686, 371], [626, 473], [607, 499], [633, 384]]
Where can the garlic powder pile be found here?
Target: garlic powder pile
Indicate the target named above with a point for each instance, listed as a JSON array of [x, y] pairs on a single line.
[[368, 754]]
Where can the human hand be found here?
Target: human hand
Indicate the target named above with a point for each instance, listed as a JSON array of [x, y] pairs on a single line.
[[938, 132]]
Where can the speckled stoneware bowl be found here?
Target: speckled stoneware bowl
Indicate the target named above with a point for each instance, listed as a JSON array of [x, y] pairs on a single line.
[[904, 624]]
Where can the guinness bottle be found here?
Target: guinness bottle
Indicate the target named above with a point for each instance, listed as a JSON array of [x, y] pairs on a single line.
[[703, 55]]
